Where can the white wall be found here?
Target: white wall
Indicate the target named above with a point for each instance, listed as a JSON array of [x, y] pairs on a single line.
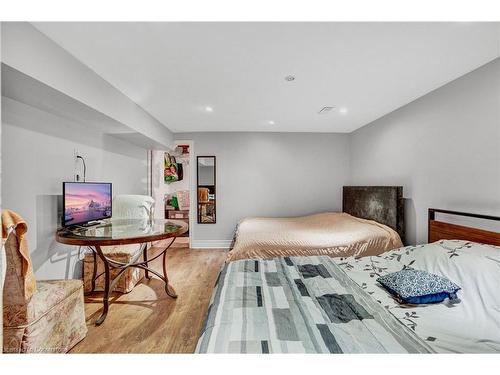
[[37, 156], [270, 174], [444, 148]]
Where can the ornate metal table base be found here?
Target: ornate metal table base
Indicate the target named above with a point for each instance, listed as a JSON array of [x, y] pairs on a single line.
[[109, 284]]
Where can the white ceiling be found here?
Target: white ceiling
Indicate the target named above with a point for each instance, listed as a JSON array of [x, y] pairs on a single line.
[[175, 70]]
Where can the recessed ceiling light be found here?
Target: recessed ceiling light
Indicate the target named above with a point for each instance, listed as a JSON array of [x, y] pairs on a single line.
[[271, 122], [289, 78], [343, 110], [209, 109]]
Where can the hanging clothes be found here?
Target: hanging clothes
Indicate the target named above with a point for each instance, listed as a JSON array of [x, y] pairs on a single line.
[[180, 172], [170, 169]]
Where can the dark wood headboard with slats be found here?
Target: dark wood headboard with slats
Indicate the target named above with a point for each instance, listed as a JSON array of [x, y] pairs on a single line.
[[383, 204], [440, 230]]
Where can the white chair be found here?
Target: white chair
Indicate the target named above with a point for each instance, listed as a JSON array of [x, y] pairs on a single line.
[[124, 207], [133, 207]]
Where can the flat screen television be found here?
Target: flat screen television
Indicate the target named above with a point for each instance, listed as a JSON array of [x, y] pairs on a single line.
[[84, 202]]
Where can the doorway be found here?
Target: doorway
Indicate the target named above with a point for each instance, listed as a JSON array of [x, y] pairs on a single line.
[[171, 183]]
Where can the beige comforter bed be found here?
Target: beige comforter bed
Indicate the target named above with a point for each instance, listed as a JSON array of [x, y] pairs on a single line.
[[330, 233]]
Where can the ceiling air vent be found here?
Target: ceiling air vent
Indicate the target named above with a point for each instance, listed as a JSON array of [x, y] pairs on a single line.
[[324, 110]]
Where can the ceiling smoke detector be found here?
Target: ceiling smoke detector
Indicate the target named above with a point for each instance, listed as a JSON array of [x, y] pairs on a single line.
[[289, 78], [325, 110]]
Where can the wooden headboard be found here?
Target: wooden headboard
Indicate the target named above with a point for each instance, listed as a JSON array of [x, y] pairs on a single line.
[[383, 204], [439, 230]]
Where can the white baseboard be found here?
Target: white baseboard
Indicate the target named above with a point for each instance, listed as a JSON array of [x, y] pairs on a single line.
[[210, 244]]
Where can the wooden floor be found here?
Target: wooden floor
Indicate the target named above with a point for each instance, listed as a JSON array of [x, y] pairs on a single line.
[[146, 320]]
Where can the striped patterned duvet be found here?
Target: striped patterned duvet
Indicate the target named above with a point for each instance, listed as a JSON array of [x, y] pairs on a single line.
[[299, 305]]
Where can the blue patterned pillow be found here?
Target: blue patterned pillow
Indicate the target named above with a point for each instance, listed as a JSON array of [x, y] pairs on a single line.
[[419, 287]]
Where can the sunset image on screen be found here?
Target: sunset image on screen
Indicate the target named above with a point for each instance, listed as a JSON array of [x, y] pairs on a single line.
[[86, 202]]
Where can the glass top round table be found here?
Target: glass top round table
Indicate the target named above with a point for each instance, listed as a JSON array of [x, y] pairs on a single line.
[[124, 232], [121, 232]]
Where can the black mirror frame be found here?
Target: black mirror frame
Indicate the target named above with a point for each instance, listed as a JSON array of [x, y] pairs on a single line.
[[198, 216]]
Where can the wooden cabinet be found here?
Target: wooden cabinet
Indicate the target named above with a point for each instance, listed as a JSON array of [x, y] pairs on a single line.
[[178, 214]]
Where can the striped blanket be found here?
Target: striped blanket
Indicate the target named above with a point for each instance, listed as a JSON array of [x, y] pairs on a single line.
[[299, 305]]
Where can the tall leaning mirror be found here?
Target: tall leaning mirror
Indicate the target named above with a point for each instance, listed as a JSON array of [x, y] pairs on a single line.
[[205, 182]]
